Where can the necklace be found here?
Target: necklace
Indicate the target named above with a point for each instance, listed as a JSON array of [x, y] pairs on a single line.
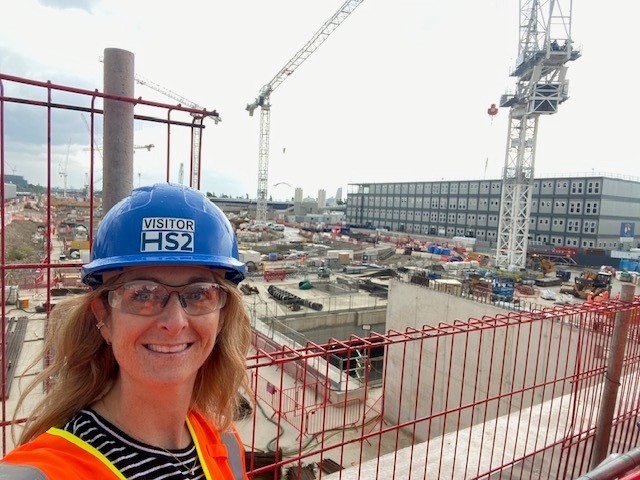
[[184, 464], [191, 469]]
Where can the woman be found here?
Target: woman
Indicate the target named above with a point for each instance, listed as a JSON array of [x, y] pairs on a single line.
[[146, 368]]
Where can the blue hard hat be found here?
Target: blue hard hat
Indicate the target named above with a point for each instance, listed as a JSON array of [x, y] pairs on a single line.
[[164, 224]]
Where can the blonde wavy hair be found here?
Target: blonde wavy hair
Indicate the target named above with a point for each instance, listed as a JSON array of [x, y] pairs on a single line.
[[81, 366]]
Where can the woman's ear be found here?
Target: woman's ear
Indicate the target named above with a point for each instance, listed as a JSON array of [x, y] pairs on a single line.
[[101, 312]]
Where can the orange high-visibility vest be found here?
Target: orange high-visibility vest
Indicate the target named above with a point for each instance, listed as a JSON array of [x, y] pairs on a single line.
[[60, 455]]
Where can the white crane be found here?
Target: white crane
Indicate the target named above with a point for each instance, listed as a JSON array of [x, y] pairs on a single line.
[[264, 95], [197, 125], [147, 147], [62, 170], [545, 46], [198, 121], [12, 167]]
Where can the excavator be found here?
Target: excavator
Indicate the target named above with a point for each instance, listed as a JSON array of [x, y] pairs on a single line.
[[590, 284], [539, 263]]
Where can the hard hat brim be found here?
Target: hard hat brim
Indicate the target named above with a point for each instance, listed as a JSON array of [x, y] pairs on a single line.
[[92, 272]]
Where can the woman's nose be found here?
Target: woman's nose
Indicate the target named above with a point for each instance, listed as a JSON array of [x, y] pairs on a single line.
[[173, 318]]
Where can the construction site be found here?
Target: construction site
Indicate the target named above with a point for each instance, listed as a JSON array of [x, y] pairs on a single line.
[[374, 354]]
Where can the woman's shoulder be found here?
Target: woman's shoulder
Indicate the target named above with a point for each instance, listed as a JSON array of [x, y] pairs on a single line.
[[41, 458], [54, 455]]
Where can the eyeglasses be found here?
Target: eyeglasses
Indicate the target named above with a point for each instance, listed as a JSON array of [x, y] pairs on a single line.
[[147, 298]]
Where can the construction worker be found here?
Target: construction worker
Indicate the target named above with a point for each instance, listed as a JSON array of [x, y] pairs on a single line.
[[144, 383]]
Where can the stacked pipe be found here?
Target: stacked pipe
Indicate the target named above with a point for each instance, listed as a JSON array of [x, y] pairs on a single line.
[[290, 299]]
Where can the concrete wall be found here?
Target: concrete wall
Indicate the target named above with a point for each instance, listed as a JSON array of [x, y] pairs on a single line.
[[473, 368], [321, 327]]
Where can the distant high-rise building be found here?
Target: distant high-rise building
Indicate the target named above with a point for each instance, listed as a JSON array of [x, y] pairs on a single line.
[[297, 201], [322, 199], [339, 195]]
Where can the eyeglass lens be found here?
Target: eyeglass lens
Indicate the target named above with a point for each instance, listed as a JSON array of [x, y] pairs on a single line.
[[145, 297]]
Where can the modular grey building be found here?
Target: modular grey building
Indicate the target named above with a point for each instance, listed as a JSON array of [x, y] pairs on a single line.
[[584, 212]]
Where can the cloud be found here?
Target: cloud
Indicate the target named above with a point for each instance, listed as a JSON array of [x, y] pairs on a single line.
[[85, 5]]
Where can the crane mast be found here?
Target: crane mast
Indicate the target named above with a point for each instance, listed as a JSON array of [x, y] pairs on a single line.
[[545, 46], [262, 100]]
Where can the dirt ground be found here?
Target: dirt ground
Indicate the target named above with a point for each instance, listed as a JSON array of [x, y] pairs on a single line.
[[22, 246]]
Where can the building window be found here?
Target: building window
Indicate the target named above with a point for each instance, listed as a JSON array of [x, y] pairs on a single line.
[[577, 187], [589, 227], [575, 207]]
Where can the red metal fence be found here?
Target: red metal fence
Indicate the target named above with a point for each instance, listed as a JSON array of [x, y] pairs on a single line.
[[511, 396]]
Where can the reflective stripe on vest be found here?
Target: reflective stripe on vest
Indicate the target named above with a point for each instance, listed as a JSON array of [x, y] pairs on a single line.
[[233, 454], [20, 472]]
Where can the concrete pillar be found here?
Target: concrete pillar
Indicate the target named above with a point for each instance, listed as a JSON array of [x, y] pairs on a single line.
[[117, 168]]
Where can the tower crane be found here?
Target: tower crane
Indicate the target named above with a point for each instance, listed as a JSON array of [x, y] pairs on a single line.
[[62, 170], [12, 167], [545, 47], [198, 121], [148, 146], [262, 100]]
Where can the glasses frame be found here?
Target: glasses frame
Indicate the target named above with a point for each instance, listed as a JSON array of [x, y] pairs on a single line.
[[111, 290]]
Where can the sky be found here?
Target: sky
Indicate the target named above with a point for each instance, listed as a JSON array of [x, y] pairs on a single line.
[[399, 92]]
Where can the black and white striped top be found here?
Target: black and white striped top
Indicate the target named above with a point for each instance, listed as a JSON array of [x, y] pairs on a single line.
[[134, 459]]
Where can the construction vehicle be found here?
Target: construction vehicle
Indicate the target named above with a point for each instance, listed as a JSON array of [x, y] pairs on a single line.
[[324, 272], [503, 289], [590, 284], [264, 95], [540, 264]]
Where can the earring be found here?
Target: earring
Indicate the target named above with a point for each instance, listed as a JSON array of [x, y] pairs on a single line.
[[100, 324]]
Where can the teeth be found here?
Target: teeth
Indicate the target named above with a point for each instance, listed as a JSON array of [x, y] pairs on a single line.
[[167, 348]]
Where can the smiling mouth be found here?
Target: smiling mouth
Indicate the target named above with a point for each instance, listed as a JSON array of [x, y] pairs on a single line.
[[168, 348]]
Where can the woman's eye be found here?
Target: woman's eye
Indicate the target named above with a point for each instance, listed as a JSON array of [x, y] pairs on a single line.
[[199, 294], [142, 295]]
